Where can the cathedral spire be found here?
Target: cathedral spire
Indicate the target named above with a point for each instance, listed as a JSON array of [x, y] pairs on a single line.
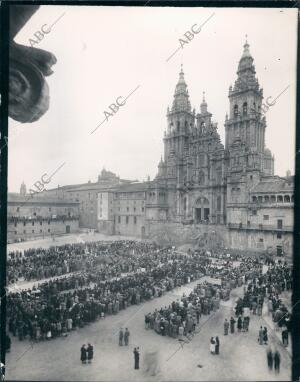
[[203, 106], [181, 100]]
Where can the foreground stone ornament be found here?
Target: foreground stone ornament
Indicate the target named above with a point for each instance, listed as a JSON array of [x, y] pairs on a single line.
[[28, 66]]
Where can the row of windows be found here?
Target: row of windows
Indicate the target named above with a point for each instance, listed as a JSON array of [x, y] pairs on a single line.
[[32, 223], [41, 231], [127, 220], [273, 199], [278, 235]]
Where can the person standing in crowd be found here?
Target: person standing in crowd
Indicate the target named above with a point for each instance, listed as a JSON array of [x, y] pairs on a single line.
[[212, 346], [277, 361], [121, 335], [217, 345], [239, 324], [136, 353], [261, 336], [90, 353], [285, 337], [232, 323], [226, 327], [126, 336], [270, 359], [265, 336], [83, 354]]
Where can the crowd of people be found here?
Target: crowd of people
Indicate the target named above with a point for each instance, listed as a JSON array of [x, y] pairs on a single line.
[[59, 306], [91, 281]]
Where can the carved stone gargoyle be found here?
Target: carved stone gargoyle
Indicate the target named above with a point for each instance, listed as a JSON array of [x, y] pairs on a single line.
[[28, 66]]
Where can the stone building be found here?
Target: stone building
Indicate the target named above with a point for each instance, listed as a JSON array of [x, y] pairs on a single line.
[[29, 217]]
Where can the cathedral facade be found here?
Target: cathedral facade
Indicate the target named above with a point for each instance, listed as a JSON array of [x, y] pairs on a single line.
[[202, 186]]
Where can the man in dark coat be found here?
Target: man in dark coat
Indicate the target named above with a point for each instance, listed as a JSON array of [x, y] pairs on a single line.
[[83, 353], [270, 359], [136, 353], [239, 323], [232, 323], [121, 335], [90, 353], [126, 336], [277, 361]]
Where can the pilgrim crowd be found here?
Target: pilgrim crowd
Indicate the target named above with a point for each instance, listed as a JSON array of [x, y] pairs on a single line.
[[61, 305], [106, 277]]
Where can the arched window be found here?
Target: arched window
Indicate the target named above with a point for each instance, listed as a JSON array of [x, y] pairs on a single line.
[[219, 175], [219, 203], [273, 198], [287, 198], [178, 125], [184, 204], [267, 199], [245, 108], [201, 178], [235, 110], [260, 199], [254, 199], [279, 198]]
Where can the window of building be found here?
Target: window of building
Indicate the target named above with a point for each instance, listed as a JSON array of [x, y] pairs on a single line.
[[245, 108], [24, 231], [24, 224], [48, 229], [32, 223], [273, 198], [134, 209], [254, 212], [261, 240], [49, 209], [41, 230], [143, 209], [260, 199], [279, 223], [267, 199], [127, 209], [134, 219], [236, 110], [287, 198], [33, 231], [49, 222], [127, 219], [18, 209], [248, 223], [34, 214], [16, 232], [279, 198], [254, 199], [266, 217], [41, 223], [279, 236], [119, 219]]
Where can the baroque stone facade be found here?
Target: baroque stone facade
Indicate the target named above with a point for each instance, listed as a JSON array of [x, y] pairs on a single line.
[[204, 192]]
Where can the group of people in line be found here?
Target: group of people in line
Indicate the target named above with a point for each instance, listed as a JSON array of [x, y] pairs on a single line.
[[57, 307]]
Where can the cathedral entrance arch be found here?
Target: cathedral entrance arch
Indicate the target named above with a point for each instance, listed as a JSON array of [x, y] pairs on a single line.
[[201, 210]]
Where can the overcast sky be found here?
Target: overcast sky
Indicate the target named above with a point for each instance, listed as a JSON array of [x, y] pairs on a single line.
[[106, 52]]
